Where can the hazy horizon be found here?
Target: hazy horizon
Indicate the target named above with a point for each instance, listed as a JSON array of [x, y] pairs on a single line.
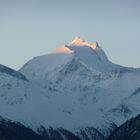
[[31, 28]]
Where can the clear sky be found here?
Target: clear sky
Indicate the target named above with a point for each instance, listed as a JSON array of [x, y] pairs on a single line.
[[30, 28]]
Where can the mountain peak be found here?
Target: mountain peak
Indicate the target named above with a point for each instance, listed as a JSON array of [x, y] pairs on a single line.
[[78, 41]]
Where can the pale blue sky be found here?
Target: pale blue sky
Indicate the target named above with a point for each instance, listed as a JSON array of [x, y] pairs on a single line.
[[30, 28]]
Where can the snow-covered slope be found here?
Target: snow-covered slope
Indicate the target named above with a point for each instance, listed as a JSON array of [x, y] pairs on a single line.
[[77, 88], [12, 86], [39, 66]]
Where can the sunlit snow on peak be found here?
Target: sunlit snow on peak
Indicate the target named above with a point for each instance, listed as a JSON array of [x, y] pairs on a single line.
[[63, 49], [78, 41]]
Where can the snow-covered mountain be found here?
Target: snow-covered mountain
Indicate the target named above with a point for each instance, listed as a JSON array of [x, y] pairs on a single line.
[[76, 88], [91, 56]]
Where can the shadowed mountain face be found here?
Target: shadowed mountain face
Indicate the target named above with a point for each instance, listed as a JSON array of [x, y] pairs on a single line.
[[16, 131], [73, 93], [130, 130]]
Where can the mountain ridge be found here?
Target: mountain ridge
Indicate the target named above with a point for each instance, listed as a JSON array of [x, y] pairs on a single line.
[[12, 72]]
